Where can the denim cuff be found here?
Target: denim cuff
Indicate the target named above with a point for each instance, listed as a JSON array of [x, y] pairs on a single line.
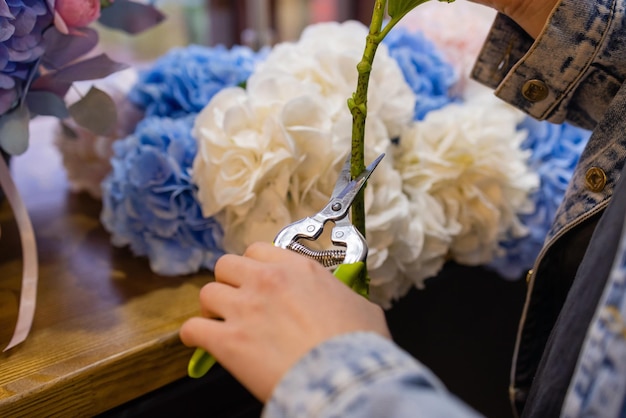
[[337, 371], [571, 71]]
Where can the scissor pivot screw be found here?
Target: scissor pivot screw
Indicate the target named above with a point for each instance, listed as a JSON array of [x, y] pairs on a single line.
[[339, 234], [310, 228], [336, 207]]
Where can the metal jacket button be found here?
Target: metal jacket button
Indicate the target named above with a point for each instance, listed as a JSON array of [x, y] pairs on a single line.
[[535, 90], [528, 276], [595, 179]]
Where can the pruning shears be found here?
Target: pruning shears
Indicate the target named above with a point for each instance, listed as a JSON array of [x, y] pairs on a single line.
[[348, 260]]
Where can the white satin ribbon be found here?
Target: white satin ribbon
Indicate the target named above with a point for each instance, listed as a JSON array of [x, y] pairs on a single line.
[[28, 295]]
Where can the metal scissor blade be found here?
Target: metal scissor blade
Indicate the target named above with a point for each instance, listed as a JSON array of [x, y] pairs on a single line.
[[344, 177], [340, 202], [348, 193]]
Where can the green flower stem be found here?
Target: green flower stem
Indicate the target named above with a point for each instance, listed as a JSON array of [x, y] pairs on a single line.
[[358, 107]]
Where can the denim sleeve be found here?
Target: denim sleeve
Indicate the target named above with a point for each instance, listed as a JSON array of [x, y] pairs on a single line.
[[362, 375], [570, 72]]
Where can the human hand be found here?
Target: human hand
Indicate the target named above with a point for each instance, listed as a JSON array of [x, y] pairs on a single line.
[[268, 308], [531, 15]]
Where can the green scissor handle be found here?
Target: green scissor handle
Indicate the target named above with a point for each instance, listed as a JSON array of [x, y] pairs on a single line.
[[347, 274], [201, 361]]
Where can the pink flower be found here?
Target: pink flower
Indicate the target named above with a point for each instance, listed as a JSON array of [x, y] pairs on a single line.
[[75, 13], [458, 30]]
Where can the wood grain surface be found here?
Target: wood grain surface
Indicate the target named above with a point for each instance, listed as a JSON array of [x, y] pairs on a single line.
[[106, 327]]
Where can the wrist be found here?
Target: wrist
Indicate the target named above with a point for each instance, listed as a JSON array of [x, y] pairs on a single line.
[[532, 16]]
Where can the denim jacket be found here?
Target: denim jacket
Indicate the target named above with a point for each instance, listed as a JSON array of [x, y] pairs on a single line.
[[597, 387], [586, 39], [573, 71]]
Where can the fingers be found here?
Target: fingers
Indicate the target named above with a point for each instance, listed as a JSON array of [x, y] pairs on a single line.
[[216, 298], [269, 253], [199, 332], [235, 270]]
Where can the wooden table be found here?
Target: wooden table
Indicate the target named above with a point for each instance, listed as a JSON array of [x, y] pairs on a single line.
[[105, 329]]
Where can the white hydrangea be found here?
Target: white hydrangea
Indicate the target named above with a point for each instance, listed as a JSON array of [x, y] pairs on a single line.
[[242, 150], [408, 234], [326, 56], [468, 157], [270, 154], [393, 238]]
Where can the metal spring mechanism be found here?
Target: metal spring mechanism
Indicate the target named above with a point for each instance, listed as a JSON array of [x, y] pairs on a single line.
[[327, 258]]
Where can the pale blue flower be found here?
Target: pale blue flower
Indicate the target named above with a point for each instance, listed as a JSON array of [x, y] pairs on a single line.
[[555, 153], [184, 80], [149, 201], [425, 70]]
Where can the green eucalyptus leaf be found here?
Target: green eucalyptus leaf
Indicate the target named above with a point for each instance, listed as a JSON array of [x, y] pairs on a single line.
[[14, 130], [130, 16], [92, 68], [96, 112], [46, 103]]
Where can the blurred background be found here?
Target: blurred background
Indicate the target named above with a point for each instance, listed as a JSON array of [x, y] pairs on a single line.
[[255, 23]]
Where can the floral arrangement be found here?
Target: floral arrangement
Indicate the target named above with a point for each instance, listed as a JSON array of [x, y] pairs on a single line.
[[45, 46], [236, 144]]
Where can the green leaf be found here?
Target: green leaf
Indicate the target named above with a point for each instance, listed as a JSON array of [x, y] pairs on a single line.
[[46, 103], [92, 68], [130, 17], [61, 49], [96, 112], [14, 130], [399, 8]]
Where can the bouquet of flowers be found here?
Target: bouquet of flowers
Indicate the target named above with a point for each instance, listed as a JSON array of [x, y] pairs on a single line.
[[235, 144], [44, 48]]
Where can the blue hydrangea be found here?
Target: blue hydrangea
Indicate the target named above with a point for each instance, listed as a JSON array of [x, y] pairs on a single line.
[[22, 23], [184, 80], [425, 70], [149, 201], [555, 150]]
